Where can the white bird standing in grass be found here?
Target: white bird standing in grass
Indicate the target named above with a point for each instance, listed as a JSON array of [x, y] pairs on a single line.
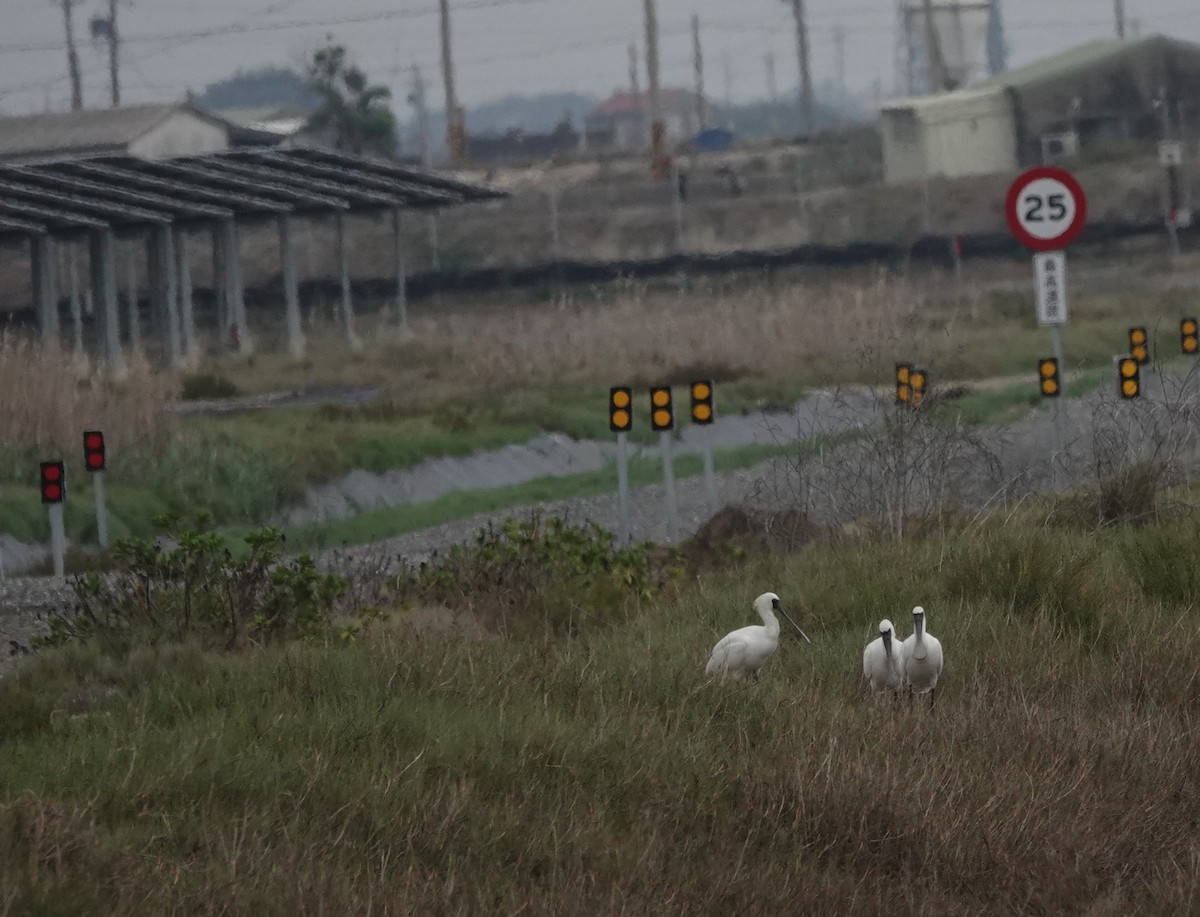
[[881, 660], [745, 651], [921, 659]]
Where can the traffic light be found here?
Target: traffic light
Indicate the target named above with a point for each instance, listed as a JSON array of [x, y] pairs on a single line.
[[1189, 333], [1129, 377], [93, 450], [53, 482], [662, 416], [620, 409], [903, 384], [1048, 377], [918, 379], [1139, 345], [703, 411]]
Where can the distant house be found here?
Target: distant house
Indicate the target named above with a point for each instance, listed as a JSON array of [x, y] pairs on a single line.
[[1097, 93], [516, 145], [263, 127], [622, 121], [144, 131]]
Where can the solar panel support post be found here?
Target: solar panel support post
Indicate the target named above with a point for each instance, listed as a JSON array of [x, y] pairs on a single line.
[[187, 309], [235, 295], [104, 291], [72, 273], [131, 295], [101, 510], [401, 271], [291, 287], [168, 305], [58, 539], [220, 299], [347, 294], [41, 262]]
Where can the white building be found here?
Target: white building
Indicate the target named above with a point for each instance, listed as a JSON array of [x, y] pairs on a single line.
[[144, 131]]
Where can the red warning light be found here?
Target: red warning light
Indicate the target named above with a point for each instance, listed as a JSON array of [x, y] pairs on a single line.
[[93, 450], [53, 476]]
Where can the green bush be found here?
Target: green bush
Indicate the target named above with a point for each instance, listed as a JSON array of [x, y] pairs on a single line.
[[200, 591], [203, 386], [543, 572], [1161, 560]]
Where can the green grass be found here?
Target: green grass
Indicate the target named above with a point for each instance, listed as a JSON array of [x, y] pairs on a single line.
[[376, 525], [420, 772]]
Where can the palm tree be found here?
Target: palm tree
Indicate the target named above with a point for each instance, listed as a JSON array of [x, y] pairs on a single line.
[[353, 114]]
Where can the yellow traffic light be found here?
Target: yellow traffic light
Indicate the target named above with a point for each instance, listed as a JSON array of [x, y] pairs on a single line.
[[919, 381], [703, 410], [1129, 377], [620, 409], [662, 416], [1139, 345], [1189, 333], [1049, 378], [903, 384]]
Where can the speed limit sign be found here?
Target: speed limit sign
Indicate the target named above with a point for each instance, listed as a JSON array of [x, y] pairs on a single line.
[[1046, 209]]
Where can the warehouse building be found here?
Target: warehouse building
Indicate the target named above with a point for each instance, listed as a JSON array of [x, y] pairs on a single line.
[[1100, 93]]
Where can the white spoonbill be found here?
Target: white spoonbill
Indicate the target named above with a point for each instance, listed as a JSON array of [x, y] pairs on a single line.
[[881, 661], [921, 659], [745, 651]]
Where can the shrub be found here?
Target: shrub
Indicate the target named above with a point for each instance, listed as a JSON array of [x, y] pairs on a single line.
[[1161, 560], [541, 571], [199, 590], [202, 386]]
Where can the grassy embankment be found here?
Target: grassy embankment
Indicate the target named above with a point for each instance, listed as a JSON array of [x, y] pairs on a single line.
[[463, 772]]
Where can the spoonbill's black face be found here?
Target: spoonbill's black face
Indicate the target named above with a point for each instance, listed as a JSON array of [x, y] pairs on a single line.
[[775, 605]]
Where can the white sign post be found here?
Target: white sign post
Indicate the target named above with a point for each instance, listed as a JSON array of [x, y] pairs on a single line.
[[1046, 210]]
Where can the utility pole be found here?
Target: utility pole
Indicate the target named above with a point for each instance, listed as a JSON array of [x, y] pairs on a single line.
[[72, 55], [1119, 12], [806, 87], [839, 57], [419, 102], [658, 134], [102, 28], [937, 69], [997, 46], [727, 67], [456, 134], [635, 90], [772, 94], [698, 67]]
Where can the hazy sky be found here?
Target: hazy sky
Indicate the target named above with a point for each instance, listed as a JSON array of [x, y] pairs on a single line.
[[504, 46]]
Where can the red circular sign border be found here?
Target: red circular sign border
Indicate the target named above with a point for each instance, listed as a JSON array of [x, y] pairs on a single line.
[[1012, 212]]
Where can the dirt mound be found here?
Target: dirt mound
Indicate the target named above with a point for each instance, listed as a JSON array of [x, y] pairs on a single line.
[[735, 532]]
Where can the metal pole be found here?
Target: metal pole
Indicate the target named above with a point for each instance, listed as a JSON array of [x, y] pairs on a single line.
[[347, 296], [1060, 433], [187, 309], [401, 272], [657, 134], [235, 304], [220, 294], [625, 532], [806, 88], [41, 262], [677, 207], [131, 293], [291, 289], [104, 287], [664, 443], [101, 509], [164, 238], [58, 539], [76, 304], [710, 475]]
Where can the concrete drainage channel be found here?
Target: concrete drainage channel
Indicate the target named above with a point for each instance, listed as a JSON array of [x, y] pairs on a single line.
[[548, 455]]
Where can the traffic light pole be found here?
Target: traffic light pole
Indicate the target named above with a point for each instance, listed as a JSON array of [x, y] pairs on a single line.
[[58, 539], [664, 442], [710, 475], [101, 509], [625, 532]]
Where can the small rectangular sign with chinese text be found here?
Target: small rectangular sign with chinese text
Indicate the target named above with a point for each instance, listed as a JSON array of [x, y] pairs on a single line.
[[1050, 278]]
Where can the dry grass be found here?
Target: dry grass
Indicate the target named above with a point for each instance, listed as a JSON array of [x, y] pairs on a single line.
[[47, 400]]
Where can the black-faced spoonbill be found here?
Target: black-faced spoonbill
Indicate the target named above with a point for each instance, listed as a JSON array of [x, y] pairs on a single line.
[[881, 659], [745, 651], [921, 659]]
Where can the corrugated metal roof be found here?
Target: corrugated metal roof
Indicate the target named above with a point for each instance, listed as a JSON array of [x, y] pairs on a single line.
[[99, 130]]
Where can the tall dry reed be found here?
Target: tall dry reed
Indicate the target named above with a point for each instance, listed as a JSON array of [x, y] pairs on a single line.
[[47, 400]]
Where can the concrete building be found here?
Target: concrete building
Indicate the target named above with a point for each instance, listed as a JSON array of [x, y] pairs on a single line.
[[1099, 93], [141, 131], [622, 121]]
